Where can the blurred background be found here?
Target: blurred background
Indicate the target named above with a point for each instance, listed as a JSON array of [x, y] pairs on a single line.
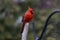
[[11, 10]]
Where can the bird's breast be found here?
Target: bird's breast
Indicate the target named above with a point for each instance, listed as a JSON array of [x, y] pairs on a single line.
[[28, 17]]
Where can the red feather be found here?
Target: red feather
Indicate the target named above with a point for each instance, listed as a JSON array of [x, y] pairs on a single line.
[[27, 17]]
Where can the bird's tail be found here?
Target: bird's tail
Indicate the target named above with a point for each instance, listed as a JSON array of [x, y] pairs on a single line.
[[21, 30]]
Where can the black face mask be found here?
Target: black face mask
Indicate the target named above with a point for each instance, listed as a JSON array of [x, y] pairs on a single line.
[[31, 12]]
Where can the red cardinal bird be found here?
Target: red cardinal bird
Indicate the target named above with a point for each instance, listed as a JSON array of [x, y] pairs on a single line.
[[27, 17]]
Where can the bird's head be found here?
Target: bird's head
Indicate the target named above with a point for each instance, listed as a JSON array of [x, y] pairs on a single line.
[[30, 9]]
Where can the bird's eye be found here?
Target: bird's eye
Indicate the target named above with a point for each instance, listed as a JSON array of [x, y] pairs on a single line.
[[31, 12]]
